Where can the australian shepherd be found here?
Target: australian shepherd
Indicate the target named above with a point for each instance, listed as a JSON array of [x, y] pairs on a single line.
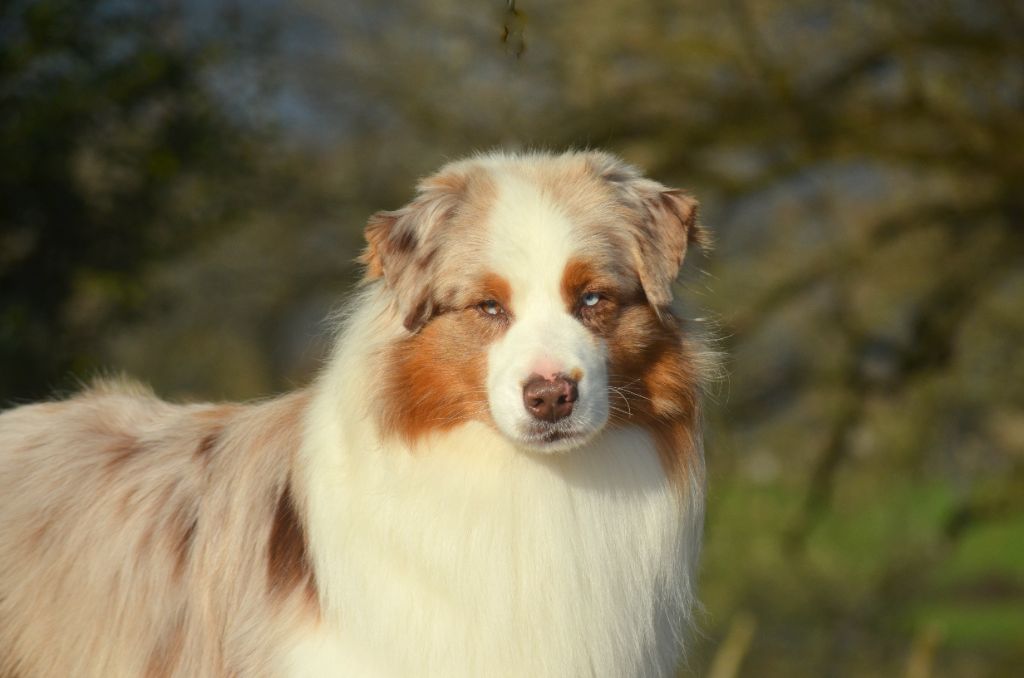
[[499, 471]]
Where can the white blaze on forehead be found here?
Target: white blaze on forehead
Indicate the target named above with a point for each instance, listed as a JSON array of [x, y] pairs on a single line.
[[531, 241]]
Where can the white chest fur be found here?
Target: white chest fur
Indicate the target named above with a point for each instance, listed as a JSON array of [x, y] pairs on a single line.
[[465, 557]]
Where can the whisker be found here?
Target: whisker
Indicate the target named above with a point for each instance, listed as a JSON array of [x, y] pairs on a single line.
[[633, 393], [624, 399], [622, 414]]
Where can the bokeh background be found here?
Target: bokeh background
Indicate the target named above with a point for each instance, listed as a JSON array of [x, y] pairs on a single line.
[[183, 187]]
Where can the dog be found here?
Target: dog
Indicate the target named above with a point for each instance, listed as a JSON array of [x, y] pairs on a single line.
[[498, 472]]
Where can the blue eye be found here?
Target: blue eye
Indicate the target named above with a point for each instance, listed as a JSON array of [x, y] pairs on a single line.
[[491, 307], [590, 299]]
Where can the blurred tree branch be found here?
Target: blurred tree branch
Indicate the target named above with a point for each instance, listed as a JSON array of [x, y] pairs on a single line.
[[107, 131]]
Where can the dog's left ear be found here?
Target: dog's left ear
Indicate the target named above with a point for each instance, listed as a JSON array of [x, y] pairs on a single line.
[[401, 248], [663, 224], [666, 229]]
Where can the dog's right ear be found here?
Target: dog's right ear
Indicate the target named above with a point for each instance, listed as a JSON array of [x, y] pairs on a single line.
[[388, 240], [401, 248]]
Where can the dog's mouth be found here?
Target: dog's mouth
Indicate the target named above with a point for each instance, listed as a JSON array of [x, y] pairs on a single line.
[[560, 437]]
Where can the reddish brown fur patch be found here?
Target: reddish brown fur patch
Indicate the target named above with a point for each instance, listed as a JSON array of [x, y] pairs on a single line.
[[677, 451], [655, 378], [581, 277], [497, 288], [287, 554], [577, 275], [436, 378], [207, 445]]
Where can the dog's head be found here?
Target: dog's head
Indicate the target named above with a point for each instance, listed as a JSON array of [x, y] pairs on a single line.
[[535, 292]]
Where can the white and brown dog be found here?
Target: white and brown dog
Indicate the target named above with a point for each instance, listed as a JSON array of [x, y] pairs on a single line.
[[498, 473]]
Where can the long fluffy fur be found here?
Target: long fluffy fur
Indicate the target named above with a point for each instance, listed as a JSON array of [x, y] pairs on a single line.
[[322, 533]]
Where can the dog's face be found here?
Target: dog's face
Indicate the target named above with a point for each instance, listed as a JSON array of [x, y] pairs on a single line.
[[534, 290]]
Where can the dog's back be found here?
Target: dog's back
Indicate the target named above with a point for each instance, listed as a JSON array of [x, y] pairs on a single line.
[[106, 568]]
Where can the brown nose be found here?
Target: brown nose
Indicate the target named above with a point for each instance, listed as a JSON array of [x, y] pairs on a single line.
[[549, 399]]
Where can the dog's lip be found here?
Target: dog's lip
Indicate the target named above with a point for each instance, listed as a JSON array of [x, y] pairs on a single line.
[[541, 436], [555, 436]]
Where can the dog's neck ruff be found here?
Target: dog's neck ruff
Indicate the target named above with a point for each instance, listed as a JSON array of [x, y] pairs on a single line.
[[463, 556]]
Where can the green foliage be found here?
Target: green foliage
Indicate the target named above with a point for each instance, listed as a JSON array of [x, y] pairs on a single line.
[[103, 122]]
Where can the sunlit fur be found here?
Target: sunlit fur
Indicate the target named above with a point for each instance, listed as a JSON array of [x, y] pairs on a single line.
[[402, 516]]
